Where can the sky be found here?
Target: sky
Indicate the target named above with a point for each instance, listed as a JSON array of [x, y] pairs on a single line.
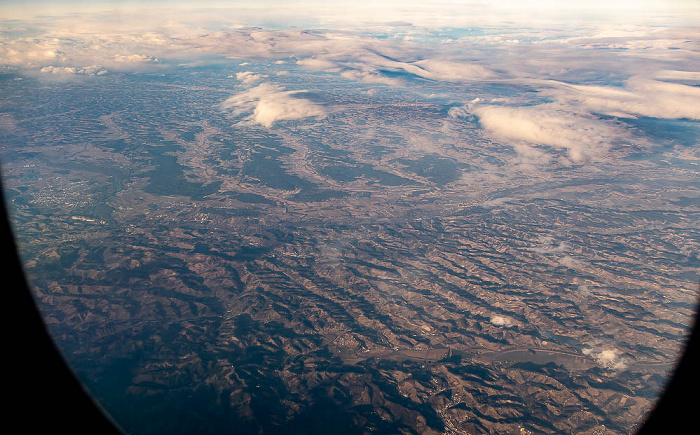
[[441, 12]]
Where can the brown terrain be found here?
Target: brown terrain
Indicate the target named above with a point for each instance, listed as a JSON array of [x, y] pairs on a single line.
[[328, 274]]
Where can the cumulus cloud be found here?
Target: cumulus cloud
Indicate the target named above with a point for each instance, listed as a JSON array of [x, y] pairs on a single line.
[[92, 70], [501, 321], [249, 77], [581, 137], [50, 44], [267, 104], [608, 358]]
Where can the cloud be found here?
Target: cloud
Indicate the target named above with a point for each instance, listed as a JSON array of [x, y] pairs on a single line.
[[677, 75], [370, 77], [249, 77], [501, 321], [543, 60], [433, 68], [61, 48], [267, 104], [356, 57], [582, 137], [134, 58], [608, 358], [499, 40], [496, 202], [584, 290], [640, 97], [549, 246], [571, 262], [93, 70], [26, 52], [452, 71], [318, 64]]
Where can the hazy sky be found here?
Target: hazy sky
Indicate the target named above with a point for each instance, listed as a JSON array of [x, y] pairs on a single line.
[[443, 12]]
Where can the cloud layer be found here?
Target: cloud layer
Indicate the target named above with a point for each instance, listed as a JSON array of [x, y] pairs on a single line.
[[640, 97], [557, 86]]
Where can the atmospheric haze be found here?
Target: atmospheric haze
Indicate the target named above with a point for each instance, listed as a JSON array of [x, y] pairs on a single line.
[[375, 217]]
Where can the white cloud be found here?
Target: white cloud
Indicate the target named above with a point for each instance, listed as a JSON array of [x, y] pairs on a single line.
[[582, 137], [501, 321], [541, 60], [370, 77], [433, 68], [677, 75], [93, 70], [452, 71], [356, 57], [63, 48], [318, 64], [28, 52], [249, 77], [267, 104], [608, 358], [499, 40], [134, 58], [640, 97]]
